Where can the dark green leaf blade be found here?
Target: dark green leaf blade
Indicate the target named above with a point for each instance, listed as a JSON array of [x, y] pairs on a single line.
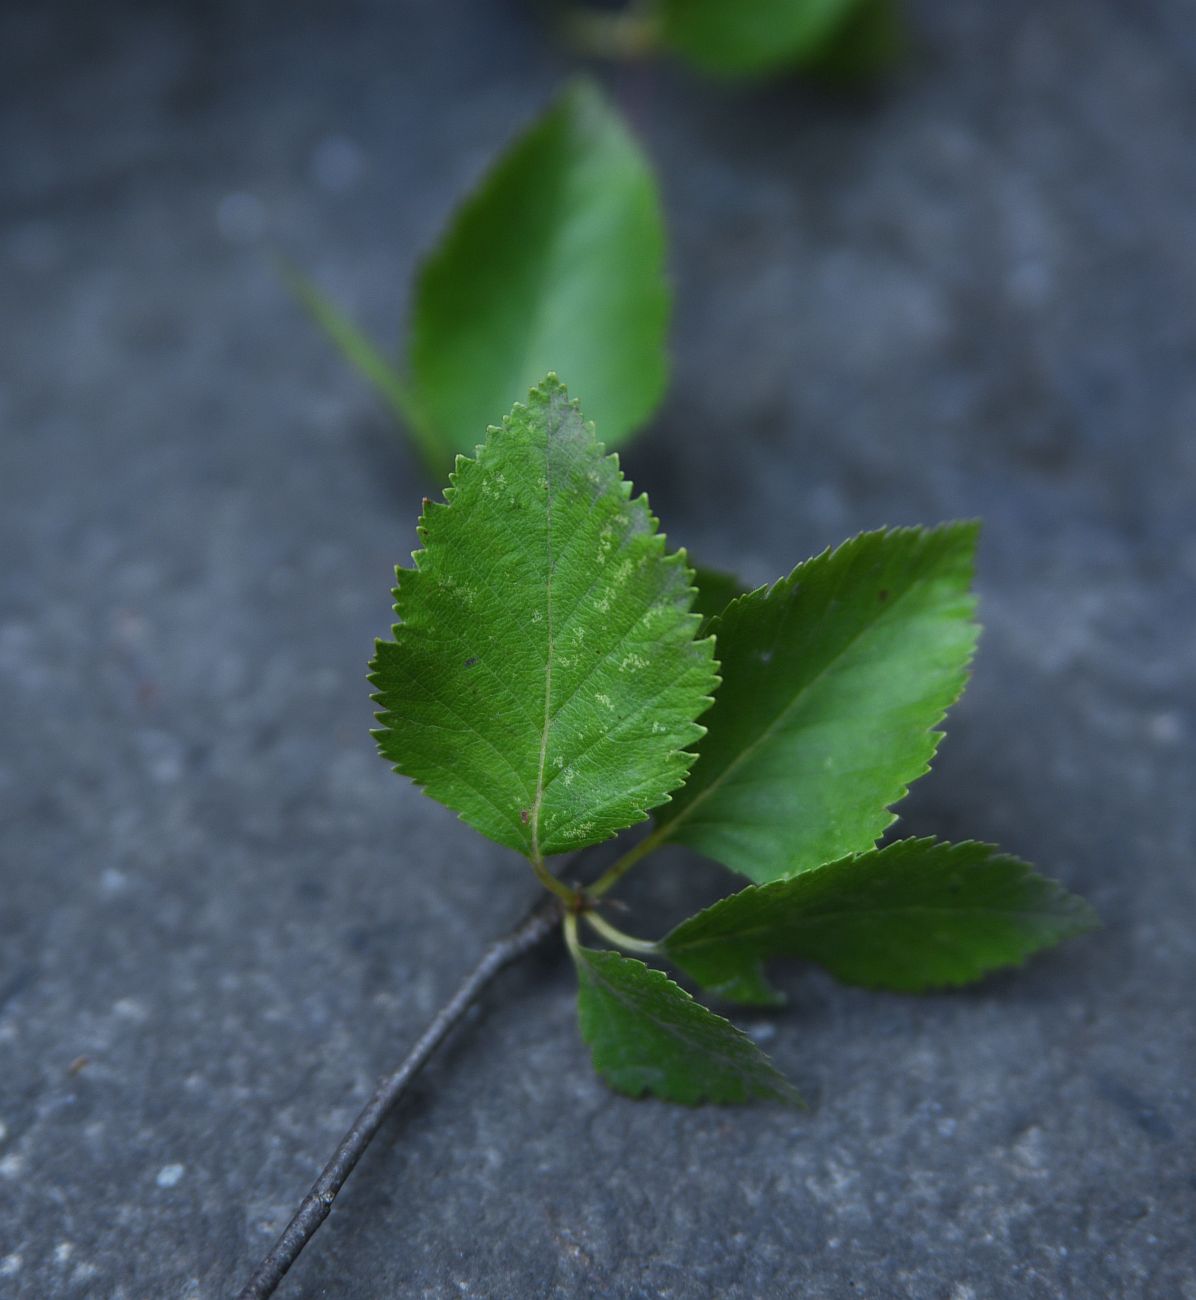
[[917, 914], [647, 1035], [716, 590], [754, 37], [833, 682], [870, 41], [544, 680], [555, 264]]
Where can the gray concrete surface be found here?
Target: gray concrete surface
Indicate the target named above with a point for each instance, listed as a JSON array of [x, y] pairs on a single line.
[[221, 916]]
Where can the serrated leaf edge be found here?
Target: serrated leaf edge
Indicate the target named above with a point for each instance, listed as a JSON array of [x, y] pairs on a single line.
[[767, 591], [1085, 917]]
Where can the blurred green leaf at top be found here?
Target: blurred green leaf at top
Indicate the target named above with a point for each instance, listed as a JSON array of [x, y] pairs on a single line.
[[555, 263]]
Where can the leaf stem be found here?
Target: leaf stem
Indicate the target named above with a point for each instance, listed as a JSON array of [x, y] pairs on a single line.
[[359, 350], [616, 936], [316, 1205], [621, 866], [569, 897], [571, 941]]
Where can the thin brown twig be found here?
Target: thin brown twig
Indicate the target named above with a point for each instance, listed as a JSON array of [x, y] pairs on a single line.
[[316, 1205]]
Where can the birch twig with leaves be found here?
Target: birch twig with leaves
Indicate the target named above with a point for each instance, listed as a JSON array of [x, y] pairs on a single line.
[[546, 679], [550, 680]]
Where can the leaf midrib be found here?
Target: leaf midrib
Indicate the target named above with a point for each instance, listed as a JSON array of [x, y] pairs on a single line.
[[538, 801]]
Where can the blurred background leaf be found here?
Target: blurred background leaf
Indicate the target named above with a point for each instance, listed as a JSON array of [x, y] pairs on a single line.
[[556, 263], [841, 39]]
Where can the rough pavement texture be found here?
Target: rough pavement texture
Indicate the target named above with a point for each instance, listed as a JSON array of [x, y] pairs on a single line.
[[221, 916]]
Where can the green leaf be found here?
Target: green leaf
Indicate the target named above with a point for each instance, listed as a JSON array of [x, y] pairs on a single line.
[[754, 37], [647, 1035], [544, 679], [870, 40], [833, 681], [716, 590], [555, 264], [917, 914]]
